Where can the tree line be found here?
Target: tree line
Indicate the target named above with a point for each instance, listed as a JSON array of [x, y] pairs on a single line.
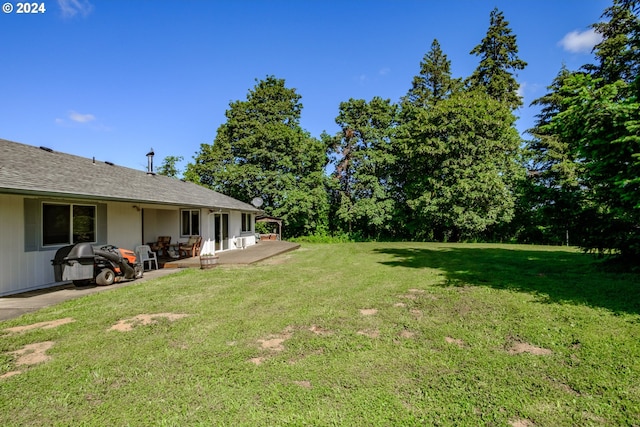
[[445, 162]]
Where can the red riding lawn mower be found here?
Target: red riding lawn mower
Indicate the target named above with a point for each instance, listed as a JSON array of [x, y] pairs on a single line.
[[83, 264]]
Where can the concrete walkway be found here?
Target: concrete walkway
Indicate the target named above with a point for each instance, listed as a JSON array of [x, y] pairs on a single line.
[[16, 305]]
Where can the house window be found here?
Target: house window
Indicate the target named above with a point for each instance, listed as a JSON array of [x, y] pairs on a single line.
[[190, 222], [246, 222], [63, 224]]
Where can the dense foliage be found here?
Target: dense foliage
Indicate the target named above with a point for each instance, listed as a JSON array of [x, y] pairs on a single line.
[[262, 151], [363, 197], [445, 162], [462, 157], [168, 166], [587, 143]]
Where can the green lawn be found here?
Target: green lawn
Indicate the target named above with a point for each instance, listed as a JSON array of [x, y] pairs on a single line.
[[379, 334]]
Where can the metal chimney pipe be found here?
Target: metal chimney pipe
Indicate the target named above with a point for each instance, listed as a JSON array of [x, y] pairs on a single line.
[[150, 155]]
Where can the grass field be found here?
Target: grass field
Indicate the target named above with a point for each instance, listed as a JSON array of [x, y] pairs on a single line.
[[354, 334]]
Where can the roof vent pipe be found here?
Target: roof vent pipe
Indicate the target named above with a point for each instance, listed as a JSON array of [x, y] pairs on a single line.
[[150, 155]]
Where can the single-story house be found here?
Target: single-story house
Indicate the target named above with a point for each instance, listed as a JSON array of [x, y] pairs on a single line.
[[50, 199]]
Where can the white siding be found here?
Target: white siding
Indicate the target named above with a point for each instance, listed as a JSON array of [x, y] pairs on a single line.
[[124, 225], [161, 221], [235, 230], [235, 225], [20, 270], [23, 271]]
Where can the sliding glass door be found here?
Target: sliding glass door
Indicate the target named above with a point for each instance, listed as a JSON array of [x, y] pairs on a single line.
[[222, 231]]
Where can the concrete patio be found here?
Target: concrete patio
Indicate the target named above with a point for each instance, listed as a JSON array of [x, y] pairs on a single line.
[[250, 255]]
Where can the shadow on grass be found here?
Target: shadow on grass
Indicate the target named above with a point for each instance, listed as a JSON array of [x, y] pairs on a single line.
[[552, 276]]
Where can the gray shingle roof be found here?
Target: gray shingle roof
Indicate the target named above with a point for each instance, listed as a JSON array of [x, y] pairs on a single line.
[[25, 169]]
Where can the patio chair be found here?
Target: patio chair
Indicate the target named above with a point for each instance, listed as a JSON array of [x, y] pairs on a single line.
[[145, 254], [191, 248], [161, 246]]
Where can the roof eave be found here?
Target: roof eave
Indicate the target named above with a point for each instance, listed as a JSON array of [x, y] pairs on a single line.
[[85, 196]]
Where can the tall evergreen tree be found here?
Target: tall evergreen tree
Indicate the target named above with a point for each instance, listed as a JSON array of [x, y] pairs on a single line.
[[432, 85], [434, 82], [618, 54], [605, 129], [499, 62], [556, 188], [608, 109], [261, 150], [599, 121]]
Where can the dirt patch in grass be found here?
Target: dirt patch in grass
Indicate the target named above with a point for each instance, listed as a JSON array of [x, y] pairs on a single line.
[[275, 343], [41, 325], [371, 333], [455, 341], [416, 313], [319, 330], [272, 343], [9, 374], [523, 347], [144, 319], [406, 334], [32, 354], [257, 360], [303, 384], [368, 311]]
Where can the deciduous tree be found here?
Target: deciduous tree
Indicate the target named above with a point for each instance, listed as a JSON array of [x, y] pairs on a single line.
[[261, 150], [168, 166], [364, 165]]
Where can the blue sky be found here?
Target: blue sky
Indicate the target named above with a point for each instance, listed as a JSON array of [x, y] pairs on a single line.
[[111, 79]]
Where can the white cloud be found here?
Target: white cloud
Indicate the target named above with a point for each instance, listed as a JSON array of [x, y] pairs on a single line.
[[81, 118], [71, 8], [527, 89], [580, 42], [384, 71], [521, 89]]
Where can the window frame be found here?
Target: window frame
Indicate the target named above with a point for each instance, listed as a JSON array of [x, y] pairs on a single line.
[[246, 225], [71, 232], [190, 226]]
